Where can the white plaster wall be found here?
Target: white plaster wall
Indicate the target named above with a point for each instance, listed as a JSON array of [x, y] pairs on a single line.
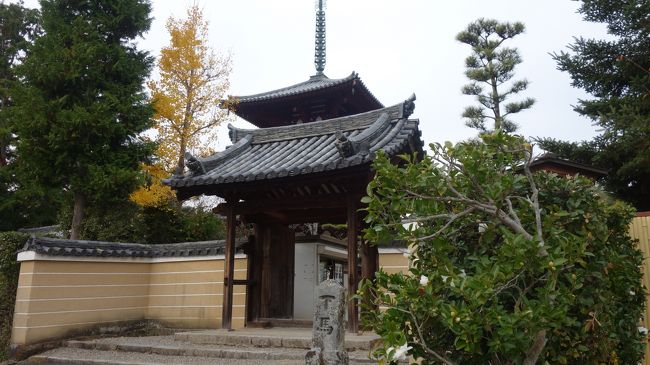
[[306, 271]]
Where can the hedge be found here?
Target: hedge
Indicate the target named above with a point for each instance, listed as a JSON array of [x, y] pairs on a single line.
[[10, 243]]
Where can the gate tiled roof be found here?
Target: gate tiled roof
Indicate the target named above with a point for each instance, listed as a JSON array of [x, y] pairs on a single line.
[[268, 153]]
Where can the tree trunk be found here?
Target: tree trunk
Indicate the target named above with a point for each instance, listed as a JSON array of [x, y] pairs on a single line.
[[536, 349], [77, 214], [180, 164], [186, 126], [496, 104]]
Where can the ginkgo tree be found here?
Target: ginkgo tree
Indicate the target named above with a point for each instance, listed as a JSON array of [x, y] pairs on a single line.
[[193, 79]]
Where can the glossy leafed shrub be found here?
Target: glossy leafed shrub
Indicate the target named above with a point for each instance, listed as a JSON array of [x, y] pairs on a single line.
[[507, 266]]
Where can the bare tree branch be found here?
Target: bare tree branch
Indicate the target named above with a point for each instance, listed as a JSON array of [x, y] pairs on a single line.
[[535, 201], [421, 341], [451, 220]]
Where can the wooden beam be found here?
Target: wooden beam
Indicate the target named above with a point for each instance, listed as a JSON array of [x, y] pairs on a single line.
[[332, 216], [353, 281], [229, 268], [354, 177], [271, 205]]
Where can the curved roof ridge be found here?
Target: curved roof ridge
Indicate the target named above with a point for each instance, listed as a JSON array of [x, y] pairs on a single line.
[[350, 122], [315, 82]]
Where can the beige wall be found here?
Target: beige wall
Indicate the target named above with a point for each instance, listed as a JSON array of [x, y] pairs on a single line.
[[640, 230], [59, 297], [190, 294], [393, 260]]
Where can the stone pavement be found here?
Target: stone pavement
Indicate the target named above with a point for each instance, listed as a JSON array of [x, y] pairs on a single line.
[[215, 347]]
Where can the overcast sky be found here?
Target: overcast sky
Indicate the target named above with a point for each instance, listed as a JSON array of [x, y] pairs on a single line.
[[398, 48]]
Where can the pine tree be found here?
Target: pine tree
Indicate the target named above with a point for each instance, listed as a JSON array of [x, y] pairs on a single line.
[[491, 65], [616, 72], [83, 106]]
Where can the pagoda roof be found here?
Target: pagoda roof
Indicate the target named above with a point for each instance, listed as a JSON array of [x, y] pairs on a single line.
[[318, 89], [315, 83], [278, 152]]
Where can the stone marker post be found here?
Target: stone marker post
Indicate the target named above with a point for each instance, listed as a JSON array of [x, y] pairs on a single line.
[[328, 337]]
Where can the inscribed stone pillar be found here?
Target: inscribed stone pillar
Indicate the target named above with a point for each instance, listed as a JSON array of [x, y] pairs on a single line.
[[328, 336]]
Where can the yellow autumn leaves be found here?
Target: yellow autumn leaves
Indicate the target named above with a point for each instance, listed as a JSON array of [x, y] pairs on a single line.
[[153, 193], [192, 81]]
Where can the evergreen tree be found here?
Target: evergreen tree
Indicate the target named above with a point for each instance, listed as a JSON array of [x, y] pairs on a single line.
[[18, 26], [616, 72], [21, 203], [82, 108], [491, 65]]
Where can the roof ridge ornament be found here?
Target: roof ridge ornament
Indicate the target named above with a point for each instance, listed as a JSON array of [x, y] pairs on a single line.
[[360, 143], [194, 165], [343, 145], [408, 106], [319, 55]]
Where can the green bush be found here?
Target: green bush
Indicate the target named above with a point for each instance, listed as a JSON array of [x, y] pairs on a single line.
[[201, 225], [10, 243], [506, 267], [128, 222]]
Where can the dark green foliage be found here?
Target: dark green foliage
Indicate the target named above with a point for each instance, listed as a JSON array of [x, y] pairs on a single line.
[[201, 225], [18, 26], [616, 72], [491, 65], [129, 222], [581, 152], [82, 107], [487, 283], [10, 243], [20, 203]]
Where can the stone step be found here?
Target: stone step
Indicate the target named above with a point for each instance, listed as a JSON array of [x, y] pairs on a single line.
[[169, 346], [274, 337], [77, 356]]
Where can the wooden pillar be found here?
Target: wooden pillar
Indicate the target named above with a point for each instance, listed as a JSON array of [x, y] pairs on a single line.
[[266, 264], [369, 255], [353, 280], [254, 273], [369, 261], [369, 266], [228, 267]]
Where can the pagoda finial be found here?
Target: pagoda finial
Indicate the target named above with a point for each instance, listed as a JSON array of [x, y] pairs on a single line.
[[319, 56]]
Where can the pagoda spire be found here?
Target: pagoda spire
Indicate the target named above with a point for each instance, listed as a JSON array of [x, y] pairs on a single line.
[[319, 56]]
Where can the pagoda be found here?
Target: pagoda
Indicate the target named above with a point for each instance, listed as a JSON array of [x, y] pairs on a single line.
[[308, 161]]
